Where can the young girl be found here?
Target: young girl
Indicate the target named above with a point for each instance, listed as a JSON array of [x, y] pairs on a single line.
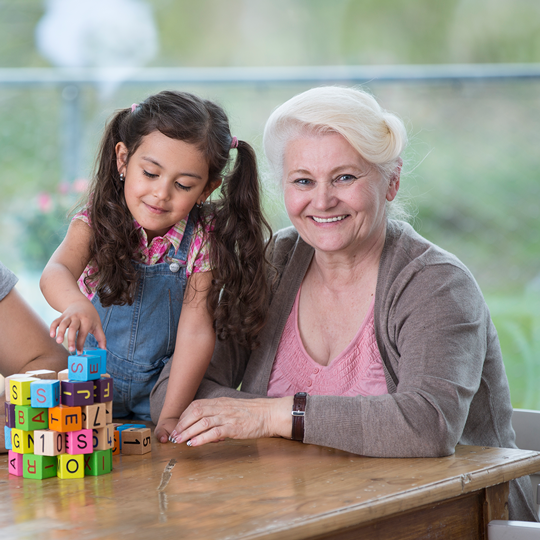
[[149, 272]]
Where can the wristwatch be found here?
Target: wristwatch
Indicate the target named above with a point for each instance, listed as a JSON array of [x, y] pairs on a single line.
[[298, 413]]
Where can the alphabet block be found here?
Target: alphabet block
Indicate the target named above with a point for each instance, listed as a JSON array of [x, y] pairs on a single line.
[[43, 374], [9, 409], [39, 467], [77, 393], [65, 419], [48, 442], [19, 390], [45, 393], [63, 375], [70, 466], [6, 382], [103, 438], [136, 441], [103, 390], [98, 463], [22, 442], [15, 463], [116, 443], [102, 353], [7, 438], [108, 412], [94, 416], [79, 442], [84, 367], [29, 418]]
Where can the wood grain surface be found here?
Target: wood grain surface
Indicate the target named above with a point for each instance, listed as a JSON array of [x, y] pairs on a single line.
[[269, 488]]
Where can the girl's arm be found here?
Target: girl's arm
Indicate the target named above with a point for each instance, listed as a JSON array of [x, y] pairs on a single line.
[[59, 286], [194, 346]]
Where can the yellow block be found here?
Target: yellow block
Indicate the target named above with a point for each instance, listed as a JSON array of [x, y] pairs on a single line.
[[22, 441], [19, 390], [70, 466]]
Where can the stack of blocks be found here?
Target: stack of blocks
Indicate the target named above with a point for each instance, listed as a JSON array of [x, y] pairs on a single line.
[[62, 425]]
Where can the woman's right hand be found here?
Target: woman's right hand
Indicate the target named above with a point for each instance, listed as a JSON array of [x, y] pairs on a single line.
[[79, 320]]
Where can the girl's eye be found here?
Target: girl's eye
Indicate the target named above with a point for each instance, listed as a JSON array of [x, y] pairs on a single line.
[[150, 175], [182, 187]]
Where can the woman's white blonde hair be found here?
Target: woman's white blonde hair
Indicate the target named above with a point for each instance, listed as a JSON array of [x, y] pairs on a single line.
[[377, 135]]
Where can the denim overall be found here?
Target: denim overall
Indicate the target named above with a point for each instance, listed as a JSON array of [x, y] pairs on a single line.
[[141, 337]]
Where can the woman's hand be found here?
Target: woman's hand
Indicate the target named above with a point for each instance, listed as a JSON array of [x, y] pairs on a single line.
[[212, 420], [80, 318], [164, 428]]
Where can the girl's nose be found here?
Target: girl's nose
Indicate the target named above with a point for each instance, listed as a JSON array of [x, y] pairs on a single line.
[[161, 189]]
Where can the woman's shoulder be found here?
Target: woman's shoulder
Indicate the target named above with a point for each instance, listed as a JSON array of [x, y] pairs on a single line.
[[285, 244], [410, 258]]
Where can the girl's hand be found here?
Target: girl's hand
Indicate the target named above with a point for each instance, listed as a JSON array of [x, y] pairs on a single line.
[[212, 420], [81, 319], [164, 428]]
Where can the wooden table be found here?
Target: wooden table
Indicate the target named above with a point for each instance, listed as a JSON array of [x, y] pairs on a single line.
[[271, 489]]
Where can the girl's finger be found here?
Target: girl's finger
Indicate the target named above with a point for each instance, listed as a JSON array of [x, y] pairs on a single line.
[[99, 334]]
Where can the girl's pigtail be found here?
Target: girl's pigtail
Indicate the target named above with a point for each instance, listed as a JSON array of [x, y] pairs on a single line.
[[114, 238], [240, 293]]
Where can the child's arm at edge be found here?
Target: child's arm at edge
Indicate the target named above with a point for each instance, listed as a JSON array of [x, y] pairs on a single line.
[[194, 346], [59, 286]]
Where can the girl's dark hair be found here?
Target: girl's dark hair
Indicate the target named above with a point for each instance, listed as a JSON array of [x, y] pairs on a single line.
[[238, 298]]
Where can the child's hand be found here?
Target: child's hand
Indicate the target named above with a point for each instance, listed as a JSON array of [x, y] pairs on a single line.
[[81, 319], [164, 428]]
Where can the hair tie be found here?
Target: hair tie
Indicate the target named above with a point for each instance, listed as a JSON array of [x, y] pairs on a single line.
[[234, 142], [134, 106]]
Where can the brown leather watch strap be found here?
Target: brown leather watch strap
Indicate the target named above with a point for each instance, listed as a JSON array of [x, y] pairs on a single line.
[[298, 412]]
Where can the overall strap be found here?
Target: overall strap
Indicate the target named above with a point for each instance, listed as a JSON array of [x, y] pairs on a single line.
[[183, 248]]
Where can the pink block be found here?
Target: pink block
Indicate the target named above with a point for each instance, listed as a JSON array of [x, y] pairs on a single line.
[[15, 463], [79, 442]]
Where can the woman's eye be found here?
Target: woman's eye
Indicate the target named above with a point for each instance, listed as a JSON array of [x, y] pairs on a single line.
[[150, 175], [302, 181], [345, 178]]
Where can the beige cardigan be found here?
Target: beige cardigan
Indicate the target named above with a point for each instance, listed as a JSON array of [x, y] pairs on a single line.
[[443, 364]]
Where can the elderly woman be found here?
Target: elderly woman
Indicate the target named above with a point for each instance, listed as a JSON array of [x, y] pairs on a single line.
[[380, 341]]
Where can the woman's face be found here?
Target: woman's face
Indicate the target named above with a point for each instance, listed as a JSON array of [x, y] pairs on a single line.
[[334, 198]]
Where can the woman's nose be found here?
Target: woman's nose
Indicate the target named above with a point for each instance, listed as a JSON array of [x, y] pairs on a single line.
[[324, 197]]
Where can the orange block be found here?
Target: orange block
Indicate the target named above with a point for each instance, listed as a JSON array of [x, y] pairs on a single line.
[[64, 419]]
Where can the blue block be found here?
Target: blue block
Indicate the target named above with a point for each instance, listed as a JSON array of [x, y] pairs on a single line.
[[45, 393], [84, 367], [7, 438], [102, 353]]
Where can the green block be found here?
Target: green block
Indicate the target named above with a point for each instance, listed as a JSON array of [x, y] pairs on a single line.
[[39, 467], [30, 418], [97, 463]]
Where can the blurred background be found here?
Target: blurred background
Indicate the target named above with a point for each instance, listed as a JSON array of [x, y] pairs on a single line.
[[463, 74]]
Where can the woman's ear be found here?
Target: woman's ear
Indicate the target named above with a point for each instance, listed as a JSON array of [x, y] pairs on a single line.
[[393, 186], [121, 157]]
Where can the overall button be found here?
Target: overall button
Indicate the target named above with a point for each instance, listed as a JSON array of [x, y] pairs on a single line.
[[174, 267]]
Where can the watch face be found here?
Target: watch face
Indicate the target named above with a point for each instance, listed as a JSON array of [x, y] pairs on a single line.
[[301, 394]]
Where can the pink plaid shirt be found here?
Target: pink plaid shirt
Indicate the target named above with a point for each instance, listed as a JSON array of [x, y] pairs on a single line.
[[198, 255]]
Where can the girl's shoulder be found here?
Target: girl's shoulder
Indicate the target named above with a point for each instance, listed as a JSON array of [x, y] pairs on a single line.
[[82, 215]]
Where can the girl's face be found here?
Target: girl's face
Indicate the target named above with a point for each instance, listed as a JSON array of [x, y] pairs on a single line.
[[164, 179]]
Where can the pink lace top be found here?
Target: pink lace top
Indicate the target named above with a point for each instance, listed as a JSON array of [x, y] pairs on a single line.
[[358, 370]]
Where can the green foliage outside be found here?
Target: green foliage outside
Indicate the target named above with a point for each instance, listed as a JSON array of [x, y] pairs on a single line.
[[471, 175]]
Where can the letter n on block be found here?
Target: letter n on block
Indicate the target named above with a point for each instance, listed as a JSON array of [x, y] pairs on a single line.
[[39, 467], [15, 463], [70, 466], [98, 463], [136, 441]]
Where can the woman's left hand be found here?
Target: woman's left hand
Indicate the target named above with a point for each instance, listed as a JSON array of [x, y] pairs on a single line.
[[212, 420]]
